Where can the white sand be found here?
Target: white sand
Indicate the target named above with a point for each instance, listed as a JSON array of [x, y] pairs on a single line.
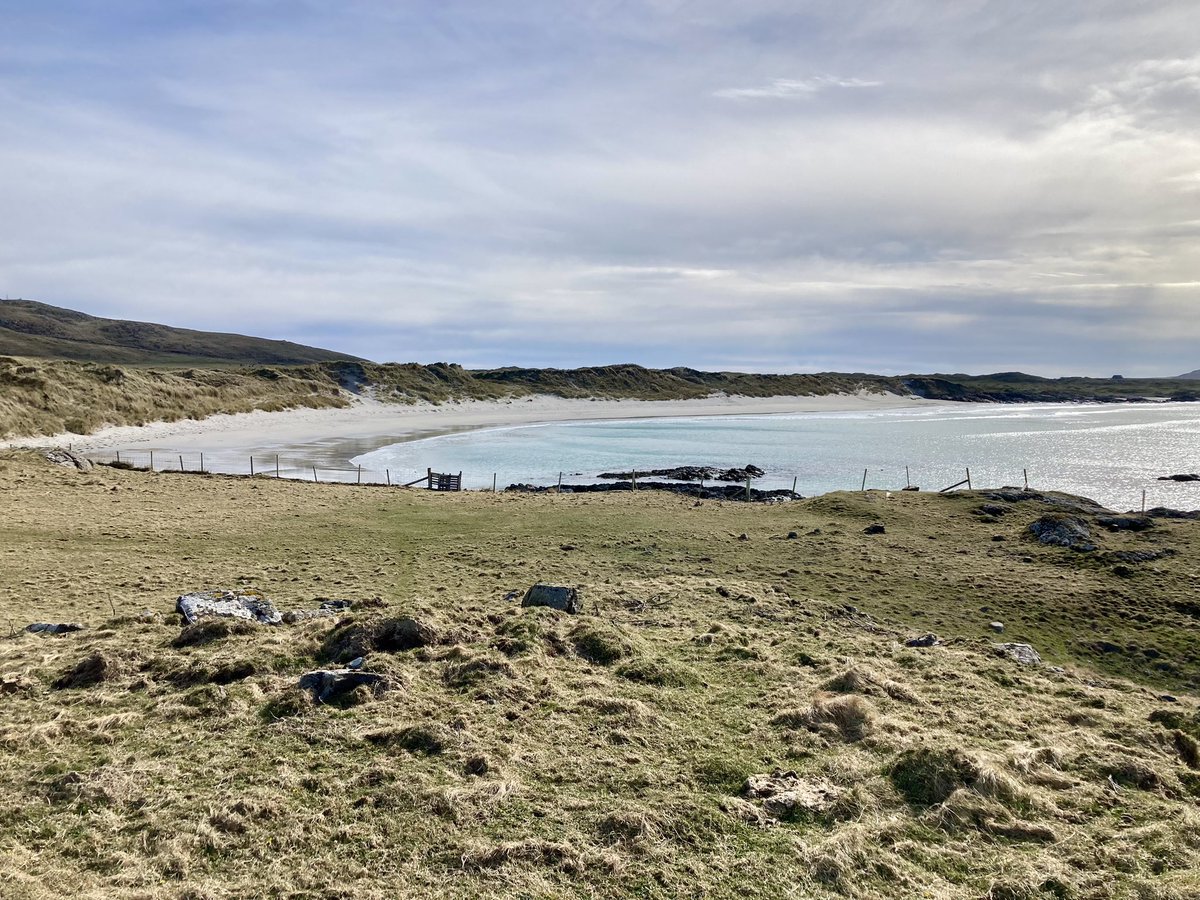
[[335, 435]]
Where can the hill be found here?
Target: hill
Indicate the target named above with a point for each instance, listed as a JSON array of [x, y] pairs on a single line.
[[1190, 376], [733, 713], [32, 329]]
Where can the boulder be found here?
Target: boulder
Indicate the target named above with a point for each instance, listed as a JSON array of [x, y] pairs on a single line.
[[69, 459], [228, 604], [54, 627], [875, 528], [997, 627], [1190, 476], [557, 597], [1022, 653], [925, 640], [786, 794], [1063, 531], [327, 684]]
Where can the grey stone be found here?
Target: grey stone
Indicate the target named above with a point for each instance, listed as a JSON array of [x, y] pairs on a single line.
[[554, 596], [997, 627], [875, 528], [54, 627], [925, 640], [326, 684], [1022, 653], [1063, 531], [229, 604], [69, 459]]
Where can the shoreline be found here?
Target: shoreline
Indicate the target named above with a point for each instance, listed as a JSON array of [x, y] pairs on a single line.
[[331, 437]]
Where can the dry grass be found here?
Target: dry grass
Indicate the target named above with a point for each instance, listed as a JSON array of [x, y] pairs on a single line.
[[524, 752]]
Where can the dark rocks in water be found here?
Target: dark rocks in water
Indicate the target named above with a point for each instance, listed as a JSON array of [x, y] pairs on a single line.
[[328, 684], [925, 640], [230, 604], [1191, 476], [692, 473], [554, 596], [875, 528], [1125, 523], [54, 627], [705, 492], [1063, 531]]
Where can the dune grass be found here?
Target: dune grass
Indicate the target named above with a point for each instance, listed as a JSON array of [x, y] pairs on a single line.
[[526, 752]]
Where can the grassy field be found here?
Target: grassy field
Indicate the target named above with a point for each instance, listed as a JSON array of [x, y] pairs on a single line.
[[526, 752]]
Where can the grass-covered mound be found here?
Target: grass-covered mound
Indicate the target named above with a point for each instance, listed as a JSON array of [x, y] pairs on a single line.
[[725, 718]]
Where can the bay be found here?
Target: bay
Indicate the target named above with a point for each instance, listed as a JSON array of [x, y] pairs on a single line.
[[1109, 452]]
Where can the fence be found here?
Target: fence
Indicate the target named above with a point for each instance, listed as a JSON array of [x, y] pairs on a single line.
[[326, 472]]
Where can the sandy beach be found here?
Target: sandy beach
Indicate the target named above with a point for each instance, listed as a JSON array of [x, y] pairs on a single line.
[[332, 436]]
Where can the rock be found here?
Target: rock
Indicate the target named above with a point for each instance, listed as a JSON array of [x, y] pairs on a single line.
[[911, 487], [691, 473], [15, 683], [1125, 523], [229, 604], [327, 684], [54, 627], [1063, 531], [1022, 653], [792, 535], [743, 536], [356, 663], [999, 538], [925, 640], [1192, 476], [786, 794], [1165, 512], [997, 627], [557, 597], [69, 459], [1122, 571], [327, 608], [875, 528]]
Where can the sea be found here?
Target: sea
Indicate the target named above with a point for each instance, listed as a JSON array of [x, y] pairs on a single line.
[[1111, 453]]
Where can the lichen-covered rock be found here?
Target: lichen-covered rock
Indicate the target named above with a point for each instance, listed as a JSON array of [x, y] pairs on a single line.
[[565, 599], [1063, 531], [1022, 653], [785, 794], [69, 459], [229, 604]]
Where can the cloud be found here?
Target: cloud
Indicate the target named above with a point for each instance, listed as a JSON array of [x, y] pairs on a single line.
[[548, 184], [787, 87]]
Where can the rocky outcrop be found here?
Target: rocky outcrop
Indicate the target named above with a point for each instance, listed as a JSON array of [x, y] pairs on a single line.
[[1191, 476], [706, 492], [557, 597], [1063, 531], [228, 604]]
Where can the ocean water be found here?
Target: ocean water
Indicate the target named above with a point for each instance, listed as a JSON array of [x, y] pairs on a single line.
[[1109, 452]]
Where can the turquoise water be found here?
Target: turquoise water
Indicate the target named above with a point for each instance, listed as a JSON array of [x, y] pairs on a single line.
[[1108, 452]]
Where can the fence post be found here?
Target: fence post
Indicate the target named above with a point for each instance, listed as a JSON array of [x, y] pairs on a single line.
[[314, 473], [493, 482], [201, 462], [360, 474], [633, 481], [429, 475], [276, 465], [251, 465], [969, 480], [1025, 473], [558, 490], [151, 460], [864, 484], [907, 480], [180, 462], [747, 488], [388, 474], [1143, 499], [794, 484], [118, 456]]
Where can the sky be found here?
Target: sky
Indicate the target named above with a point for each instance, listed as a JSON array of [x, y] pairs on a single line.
[[769, 185]]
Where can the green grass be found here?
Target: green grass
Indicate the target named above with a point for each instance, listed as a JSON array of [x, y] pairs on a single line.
[[524, 752]]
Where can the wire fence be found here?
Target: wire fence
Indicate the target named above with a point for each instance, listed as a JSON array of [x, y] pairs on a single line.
[[290, 467]]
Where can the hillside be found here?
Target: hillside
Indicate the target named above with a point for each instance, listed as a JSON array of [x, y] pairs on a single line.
[[733, 713], [32, 329], [1190, 376]]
